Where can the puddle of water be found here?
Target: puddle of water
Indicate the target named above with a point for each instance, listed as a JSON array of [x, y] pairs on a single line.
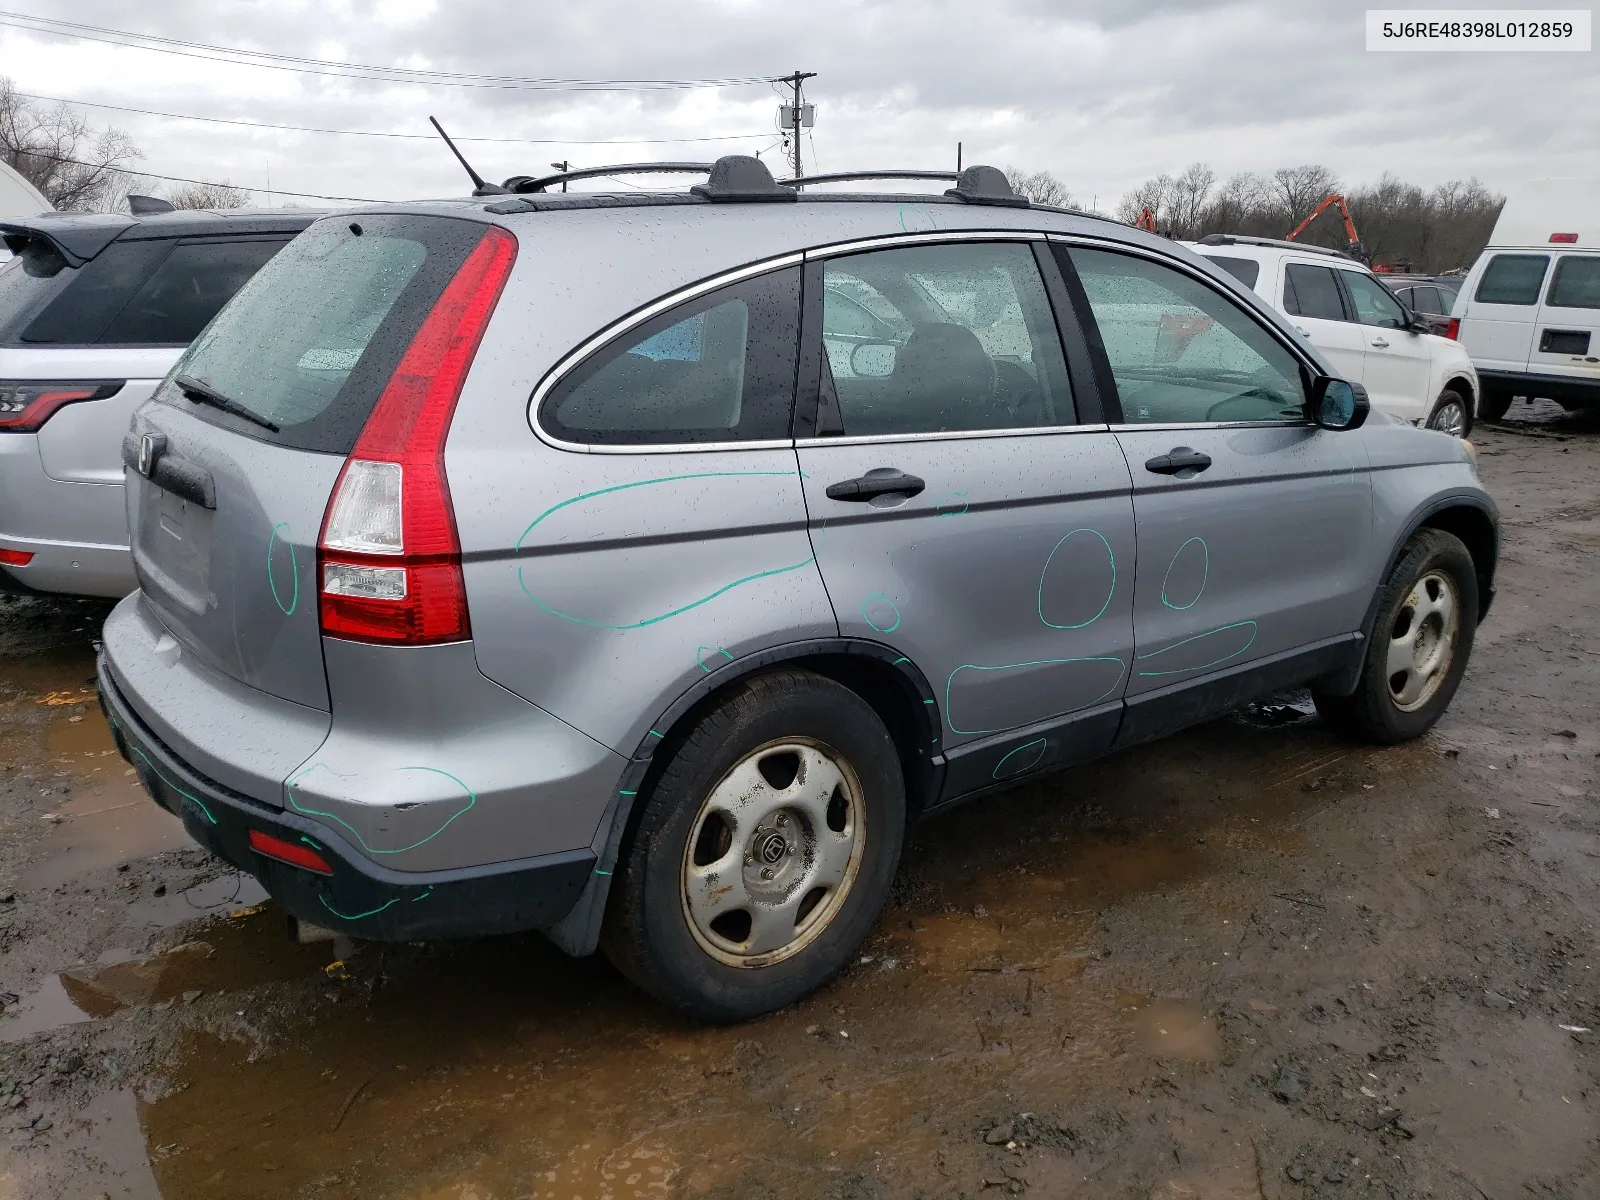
[[102, 828], [227, 954], [99, 1150], [1170, 1029]]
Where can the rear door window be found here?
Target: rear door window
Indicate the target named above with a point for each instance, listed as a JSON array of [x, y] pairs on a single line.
[[44, 302], [1245, 270], [190, 287], [1512, 279], [1312, 291], [310, 342], [1576, 283], [718, 368], [1426, 300]]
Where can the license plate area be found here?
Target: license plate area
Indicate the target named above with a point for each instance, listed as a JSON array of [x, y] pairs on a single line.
[[175, 544]]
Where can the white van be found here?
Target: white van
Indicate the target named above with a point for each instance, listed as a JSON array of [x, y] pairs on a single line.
[[1529, 312]]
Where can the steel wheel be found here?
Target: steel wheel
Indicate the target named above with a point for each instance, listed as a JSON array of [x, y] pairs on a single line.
[[773, 852], [1422, 641], [1450, 417]]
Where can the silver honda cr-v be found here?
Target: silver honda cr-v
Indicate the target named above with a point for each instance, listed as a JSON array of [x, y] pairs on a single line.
[[633, 567]]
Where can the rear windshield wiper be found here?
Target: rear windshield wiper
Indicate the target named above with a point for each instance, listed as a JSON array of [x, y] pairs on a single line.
[[203, 394]]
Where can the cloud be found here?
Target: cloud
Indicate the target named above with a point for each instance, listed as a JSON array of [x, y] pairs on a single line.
[[1104, 93]]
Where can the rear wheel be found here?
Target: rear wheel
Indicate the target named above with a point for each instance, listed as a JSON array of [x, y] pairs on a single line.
[[1451, 414], [764, 852], [1420, 643], [1493, 404]]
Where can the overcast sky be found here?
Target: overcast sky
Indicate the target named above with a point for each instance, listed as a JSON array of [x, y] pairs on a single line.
[[1104, 93]]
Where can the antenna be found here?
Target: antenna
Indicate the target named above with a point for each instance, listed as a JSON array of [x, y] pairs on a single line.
[[479, 186]]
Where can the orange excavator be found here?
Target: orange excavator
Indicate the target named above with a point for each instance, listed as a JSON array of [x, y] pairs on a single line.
[[1146, 221], [1353, 246]]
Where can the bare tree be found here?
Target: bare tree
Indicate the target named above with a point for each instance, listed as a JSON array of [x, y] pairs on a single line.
[[209, 195], [1041, 187], [1190, 191], [1156, 195], [1300, 189], [55, 149]]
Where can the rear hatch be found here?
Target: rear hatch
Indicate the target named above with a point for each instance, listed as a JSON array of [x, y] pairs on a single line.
[[231, 466]]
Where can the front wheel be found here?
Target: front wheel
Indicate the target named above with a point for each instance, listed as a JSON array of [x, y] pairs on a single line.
[[764, 852], [1420, 643], [1451, 414]]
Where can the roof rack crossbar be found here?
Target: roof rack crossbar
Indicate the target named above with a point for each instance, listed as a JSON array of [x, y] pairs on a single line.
[[849, 176], [527, 183]]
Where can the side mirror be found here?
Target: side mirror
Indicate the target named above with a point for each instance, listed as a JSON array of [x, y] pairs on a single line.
[[874, 360], [1337, 404]]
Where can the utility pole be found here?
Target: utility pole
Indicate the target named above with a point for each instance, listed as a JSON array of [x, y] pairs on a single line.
[[794, 81], [563, 165], [958, 158]]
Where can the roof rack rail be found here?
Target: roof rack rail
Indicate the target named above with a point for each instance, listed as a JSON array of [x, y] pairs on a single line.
[[527, 183], [975, 185], [1242, 239]]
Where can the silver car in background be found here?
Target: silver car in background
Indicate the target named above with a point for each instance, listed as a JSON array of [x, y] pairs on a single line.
[[633, 567], [94, 310]]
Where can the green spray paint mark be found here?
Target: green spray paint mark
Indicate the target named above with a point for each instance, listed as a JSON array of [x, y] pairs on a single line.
[[1199, 637], [371, 912], [700, 656], [195, 800], [294, 568], [1122, 669], [1022, 768], [288, 787], [309, 842], [890, 628], [1205, 575], [1111, 557]]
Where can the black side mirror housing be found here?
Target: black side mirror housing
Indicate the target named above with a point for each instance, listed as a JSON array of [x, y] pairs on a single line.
[[1337, 404]]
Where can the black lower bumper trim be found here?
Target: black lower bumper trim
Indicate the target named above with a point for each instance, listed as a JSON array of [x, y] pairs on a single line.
[[1544, 387], [359, 898]]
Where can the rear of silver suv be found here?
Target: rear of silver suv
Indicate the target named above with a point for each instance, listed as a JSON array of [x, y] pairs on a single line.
[[628, 568]]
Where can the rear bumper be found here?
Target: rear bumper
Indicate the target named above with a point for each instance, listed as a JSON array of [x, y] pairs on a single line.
[[1544, 387], [359, 898], [76, 532]]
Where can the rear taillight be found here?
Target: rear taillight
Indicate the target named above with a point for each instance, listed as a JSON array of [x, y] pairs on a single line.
[[25, 405], [289, 852], [389, 560], [1453, 328], [1569, 239]]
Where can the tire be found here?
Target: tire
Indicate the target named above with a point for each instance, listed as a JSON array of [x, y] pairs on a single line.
[[1433, 562], [735, 792], [1493, 404], [1451, 414]]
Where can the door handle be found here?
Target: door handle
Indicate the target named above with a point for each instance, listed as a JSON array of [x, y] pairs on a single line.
[[880, 481], [1177, 461], [1380, 343]]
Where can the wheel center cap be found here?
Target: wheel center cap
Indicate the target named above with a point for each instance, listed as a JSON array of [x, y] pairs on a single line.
[[771, 848]]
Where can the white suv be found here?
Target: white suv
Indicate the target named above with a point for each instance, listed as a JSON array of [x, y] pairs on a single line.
[[1345, 312]]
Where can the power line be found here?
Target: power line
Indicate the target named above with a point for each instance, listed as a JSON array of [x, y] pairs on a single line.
[[181, 179], [320, 66], [427, 137]]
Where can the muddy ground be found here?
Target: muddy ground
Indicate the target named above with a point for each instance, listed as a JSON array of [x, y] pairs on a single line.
[[1254, 960]]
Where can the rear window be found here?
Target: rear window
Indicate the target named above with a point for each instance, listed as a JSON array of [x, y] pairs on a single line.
[[44, 302], [1310, 291], [189, 288], [1512, 279], [310, 342], [1245, 270], [1576, 285]]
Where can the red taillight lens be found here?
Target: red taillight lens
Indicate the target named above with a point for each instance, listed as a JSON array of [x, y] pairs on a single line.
[[413, 593], [1569, 239], [1453, 328], [289, 852], [25, 405], [15, 558]]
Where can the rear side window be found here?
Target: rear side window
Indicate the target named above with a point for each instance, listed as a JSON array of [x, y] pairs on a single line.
[[1245, 270], [310, 342], [1512, 279], [1374, 304], [718, 368], [1576, 284], [44, 302], [1310, 291], [1426, 300], [190, 287]]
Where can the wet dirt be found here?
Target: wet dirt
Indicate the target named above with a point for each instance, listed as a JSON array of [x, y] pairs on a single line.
[[1254, 960]]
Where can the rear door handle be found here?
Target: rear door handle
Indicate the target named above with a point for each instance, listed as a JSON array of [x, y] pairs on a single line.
[[1380, 343], [880, 481], [1177, 461]]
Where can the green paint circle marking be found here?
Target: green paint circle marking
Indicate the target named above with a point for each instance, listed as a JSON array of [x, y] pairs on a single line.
[[1110, 592], [1198, 637], [294, 568], [895, 608], [288, 788], [700, 656], [1204, 577]]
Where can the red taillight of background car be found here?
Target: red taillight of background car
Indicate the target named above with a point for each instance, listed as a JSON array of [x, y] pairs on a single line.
[[26, 404], [1453, 328], [1568, 239], [389, 559]]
